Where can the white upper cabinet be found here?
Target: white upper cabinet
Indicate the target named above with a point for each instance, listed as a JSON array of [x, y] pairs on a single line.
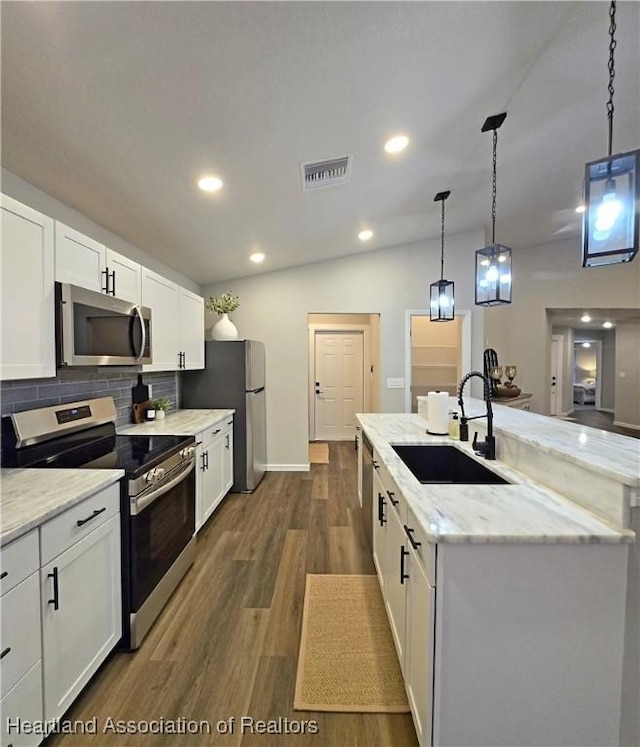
[[191, 329], [163, 298], [27, 285], [83, 261], [124, 277]]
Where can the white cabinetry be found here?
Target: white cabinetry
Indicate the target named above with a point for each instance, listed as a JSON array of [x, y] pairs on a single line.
[[177, 324], [191, 329], [27, 282], [380, 519], [82, 261], [80, 596], [21, 652], [214, 454]]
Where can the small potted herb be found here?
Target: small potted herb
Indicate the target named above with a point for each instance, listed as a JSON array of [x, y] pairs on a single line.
[[160, 406]]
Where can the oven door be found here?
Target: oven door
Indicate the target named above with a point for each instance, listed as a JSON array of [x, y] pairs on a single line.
[[161, 525], [94, 329]]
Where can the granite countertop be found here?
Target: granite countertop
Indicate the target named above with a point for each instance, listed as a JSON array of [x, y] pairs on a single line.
[[523, 511], [29, 497], [178, 423]]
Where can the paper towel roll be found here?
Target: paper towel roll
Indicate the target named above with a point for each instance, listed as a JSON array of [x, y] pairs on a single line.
[[438, 413]]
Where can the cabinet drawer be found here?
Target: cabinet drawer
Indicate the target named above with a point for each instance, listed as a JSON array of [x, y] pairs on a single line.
[[395, 498], [424, 550], [18, 560], [23, 702], [63, 531], [20, 634]]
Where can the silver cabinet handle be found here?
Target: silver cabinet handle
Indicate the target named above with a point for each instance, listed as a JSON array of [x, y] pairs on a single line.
[[143, 329]]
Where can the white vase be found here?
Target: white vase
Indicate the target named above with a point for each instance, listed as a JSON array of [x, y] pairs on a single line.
[[224, 329], [160, 414]]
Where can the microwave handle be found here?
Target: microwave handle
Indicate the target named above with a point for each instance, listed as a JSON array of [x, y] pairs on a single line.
[[143, 329]]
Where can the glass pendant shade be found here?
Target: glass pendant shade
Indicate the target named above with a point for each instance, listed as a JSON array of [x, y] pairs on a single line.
[[442, 301], [611, 220], [493, 275]]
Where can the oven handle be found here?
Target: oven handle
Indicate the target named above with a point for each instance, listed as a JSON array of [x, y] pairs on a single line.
[[139, 505], [143, 329]]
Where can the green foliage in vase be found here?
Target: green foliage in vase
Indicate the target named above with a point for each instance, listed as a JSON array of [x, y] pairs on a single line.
[[161, 404], [224, 304]]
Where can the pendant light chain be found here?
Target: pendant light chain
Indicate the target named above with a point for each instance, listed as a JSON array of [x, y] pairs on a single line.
[[612, 71], [494, 189], [442, 244]]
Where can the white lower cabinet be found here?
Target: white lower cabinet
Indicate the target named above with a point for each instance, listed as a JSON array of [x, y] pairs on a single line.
[[81, 613], [20, 646], [521, 644], [214, 455], [22, 704]]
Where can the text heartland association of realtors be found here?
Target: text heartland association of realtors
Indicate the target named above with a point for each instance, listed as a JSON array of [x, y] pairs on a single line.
[[244, 724]]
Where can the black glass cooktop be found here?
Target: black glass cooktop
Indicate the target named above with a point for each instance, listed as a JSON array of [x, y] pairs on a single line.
[[99, 448]]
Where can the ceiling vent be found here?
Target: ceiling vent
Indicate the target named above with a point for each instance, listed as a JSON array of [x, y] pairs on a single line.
[[316, 174]]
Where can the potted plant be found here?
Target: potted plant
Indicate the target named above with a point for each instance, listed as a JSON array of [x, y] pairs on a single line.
[[223, 305], [160, 406]]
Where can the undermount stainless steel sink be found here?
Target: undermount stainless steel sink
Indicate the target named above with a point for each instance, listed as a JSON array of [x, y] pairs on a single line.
[[445, 464]]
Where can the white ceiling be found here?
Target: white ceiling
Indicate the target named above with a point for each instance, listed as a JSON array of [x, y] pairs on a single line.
[[115, 108]]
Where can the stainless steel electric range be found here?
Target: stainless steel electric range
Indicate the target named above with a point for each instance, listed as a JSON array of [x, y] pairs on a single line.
[[157, 494]]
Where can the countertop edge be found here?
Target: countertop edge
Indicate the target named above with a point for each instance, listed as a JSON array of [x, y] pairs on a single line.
[[110, 477]]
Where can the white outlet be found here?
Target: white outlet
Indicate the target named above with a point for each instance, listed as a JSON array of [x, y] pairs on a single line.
[[150, 391], [622, 374], [395, 383]]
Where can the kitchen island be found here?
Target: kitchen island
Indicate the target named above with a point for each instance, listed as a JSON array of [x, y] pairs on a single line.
[[507, 601]]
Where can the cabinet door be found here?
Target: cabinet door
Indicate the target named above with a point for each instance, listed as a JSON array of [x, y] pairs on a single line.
[[163, 298], [212, 488], [79, 259], [380, 513], [227, 460], [192, 329], [27, 279], [395, 582], [124, 277], [418, 671], [22, 703], [83, 583]]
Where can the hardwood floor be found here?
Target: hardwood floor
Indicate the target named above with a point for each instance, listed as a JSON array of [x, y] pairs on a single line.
[[226, 645], [598, 419]]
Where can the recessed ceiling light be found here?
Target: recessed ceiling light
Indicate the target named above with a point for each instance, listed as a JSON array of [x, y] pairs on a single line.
[[580, 209], [608, 325], [396, 144], [585, 318], [586, 344], [257, 257], [210, 183], [365, 235]]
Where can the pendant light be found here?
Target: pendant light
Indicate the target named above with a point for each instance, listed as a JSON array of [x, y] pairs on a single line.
[[610, 223], [493, 263], [442, 303]]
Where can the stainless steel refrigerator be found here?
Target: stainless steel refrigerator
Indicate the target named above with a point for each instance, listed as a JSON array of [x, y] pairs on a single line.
[[234, 377]]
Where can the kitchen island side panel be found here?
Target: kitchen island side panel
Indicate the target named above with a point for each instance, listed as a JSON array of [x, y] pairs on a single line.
[[529, 644]]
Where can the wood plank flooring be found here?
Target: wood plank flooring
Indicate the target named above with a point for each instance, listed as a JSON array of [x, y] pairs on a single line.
[[226, 645], [603, 420]]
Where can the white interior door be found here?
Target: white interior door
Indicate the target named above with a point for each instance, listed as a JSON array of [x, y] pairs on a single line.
[[555, 379], [339, 384]]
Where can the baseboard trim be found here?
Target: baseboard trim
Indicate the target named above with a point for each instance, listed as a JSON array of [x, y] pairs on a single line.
[[620, 424], [605, 409], [287, 467]]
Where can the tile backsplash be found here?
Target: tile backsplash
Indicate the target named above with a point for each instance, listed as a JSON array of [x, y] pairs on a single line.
[[75, 384]]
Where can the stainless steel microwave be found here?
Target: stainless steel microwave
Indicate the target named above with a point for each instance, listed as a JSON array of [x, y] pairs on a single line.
[[94, 329]]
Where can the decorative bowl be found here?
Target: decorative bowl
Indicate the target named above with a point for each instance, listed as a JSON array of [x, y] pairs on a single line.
[[504, 390]]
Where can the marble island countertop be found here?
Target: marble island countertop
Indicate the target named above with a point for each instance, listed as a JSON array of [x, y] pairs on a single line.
[[29, 497], [614, 456], [178, 423], [521, 511]]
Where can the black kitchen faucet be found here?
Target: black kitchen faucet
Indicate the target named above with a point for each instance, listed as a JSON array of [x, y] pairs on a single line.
[[486, 448]]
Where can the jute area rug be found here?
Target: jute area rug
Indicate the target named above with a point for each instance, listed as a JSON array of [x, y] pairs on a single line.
[[318, 453], [347, 658]]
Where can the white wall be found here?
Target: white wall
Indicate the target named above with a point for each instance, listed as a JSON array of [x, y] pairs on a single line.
[[627, 407], [550, 276], [274, 308], [15, 187]]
